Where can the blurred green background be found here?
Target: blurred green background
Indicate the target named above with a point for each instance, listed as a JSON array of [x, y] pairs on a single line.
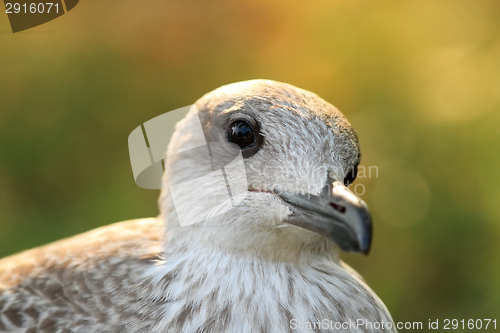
[[419, 80]]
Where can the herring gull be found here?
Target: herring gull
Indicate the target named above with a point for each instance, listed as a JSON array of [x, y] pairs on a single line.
[[270, 263]]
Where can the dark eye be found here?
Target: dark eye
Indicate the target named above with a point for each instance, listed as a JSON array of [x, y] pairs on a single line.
[[241, 133], [351, 176]]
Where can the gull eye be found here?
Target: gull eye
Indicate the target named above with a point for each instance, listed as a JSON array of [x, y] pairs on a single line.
[[351, 176], [241, 133]]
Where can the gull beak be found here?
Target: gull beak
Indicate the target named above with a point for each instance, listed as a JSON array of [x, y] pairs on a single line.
[[337, 214]]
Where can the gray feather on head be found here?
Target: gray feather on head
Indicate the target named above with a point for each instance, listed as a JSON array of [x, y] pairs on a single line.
[[301, 143]]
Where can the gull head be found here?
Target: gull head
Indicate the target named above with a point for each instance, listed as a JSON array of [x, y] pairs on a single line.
[[262, 167]]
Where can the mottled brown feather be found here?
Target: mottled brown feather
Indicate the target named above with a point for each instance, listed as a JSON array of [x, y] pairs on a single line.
[[73, 282]]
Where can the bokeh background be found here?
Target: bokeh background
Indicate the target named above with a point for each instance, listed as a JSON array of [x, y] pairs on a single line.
[[419, 80]]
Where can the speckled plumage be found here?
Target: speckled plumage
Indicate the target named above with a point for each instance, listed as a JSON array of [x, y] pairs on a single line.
[[76, 284], [245, 270]]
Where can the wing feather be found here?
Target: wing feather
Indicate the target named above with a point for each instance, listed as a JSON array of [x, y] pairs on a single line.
[[89, 280]]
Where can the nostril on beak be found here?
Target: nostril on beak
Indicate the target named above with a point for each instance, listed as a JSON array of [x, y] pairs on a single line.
[[338, 208]]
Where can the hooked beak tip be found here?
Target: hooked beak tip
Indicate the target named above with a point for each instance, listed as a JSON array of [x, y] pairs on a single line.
[[338, 215]]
